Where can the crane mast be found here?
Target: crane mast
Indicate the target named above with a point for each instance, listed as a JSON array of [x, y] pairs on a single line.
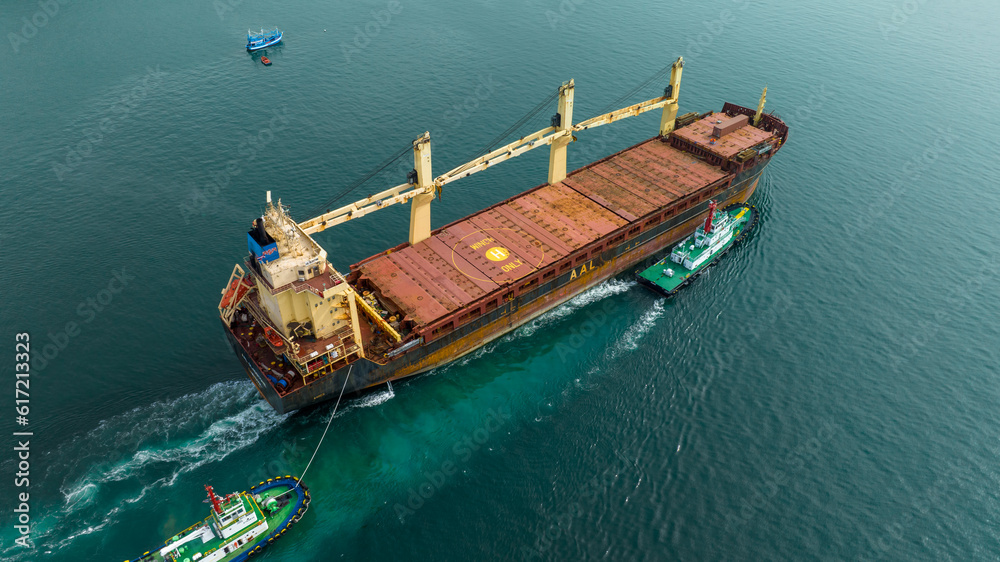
[[420, 192]]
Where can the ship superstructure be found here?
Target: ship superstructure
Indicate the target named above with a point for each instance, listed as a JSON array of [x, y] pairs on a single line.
[[300, 327], [707, 239]]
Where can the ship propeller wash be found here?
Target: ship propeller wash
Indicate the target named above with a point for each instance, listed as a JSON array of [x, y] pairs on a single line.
[[298, 324]]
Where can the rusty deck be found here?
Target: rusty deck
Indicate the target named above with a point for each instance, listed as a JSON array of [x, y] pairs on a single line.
[[699, 133], [485, 252]]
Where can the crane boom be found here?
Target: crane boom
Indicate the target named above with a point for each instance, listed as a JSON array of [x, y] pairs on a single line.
[[630, 111], [381, 200], [405, 192], [506, 152]]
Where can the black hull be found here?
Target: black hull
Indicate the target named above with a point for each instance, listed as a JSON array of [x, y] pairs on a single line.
[[467, 338]]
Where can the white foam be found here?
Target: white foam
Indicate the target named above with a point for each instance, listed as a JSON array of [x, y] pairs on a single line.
[[87, 531], [630, 339], [81, 495], [607, 289], [374, 399], [223, 419], [221, 438], [467, 358], [488, 348], [598, 293]]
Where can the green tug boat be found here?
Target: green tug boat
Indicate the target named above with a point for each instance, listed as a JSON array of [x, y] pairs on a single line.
[[721, 230], [239, 526]]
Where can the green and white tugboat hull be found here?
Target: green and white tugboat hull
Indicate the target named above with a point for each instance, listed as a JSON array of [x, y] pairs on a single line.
[[239, 525], [721, 231]]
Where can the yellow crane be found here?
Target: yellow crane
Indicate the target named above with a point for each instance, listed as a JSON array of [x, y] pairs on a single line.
[[421, 191]]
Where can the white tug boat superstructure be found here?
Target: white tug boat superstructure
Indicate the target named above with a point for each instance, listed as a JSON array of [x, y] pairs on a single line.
[[708, 239], [691, 256]]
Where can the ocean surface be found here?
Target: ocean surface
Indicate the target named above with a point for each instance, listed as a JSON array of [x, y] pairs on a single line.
[[829, 391]]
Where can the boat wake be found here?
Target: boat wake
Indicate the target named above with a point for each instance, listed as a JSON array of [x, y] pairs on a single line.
[[598, 293], [607, 289], [129, 455], [373, 399], [634, 334], [148, 431], [223, 437]]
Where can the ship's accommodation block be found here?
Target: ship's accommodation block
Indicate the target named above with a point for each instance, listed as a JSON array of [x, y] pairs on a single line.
[[300, 292]]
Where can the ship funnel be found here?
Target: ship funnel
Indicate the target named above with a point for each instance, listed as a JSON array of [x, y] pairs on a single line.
[[708, 220]]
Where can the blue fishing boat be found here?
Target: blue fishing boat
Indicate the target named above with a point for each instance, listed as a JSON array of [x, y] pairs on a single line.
[[258, 41]]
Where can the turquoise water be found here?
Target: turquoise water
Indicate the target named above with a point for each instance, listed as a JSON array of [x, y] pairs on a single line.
[[828, 391]]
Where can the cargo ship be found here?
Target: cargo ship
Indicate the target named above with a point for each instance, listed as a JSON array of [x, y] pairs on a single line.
[[305, 332]]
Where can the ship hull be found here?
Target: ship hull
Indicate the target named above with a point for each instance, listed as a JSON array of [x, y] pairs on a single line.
[[365, 374]]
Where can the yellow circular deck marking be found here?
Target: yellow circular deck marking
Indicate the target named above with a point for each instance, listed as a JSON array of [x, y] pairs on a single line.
[[507, 255], [497, 253]]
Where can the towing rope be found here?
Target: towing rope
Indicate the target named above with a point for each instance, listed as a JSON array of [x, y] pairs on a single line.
[[347, 378], [298, 483]]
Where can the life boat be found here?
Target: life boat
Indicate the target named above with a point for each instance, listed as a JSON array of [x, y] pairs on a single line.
[[266, 61], [273, 337], [234, 292]]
